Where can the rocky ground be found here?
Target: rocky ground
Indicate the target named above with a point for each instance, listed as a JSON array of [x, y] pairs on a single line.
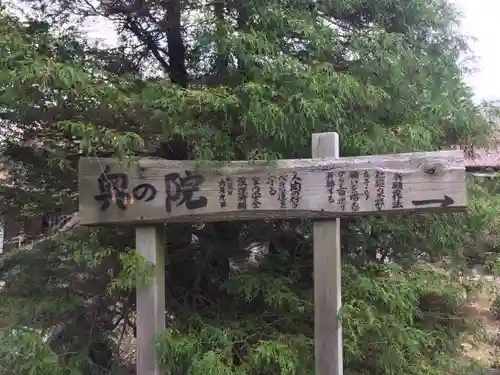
[[485, 348]]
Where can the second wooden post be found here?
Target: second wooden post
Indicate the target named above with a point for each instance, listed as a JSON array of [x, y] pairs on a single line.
[[327, 277]]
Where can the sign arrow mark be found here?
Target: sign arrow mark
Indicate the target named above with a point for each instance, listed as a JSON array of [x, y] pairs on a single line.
[[445, 202]]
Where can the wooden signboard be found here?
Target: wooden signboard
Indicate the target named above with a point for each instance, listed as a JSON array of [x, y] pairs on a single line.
[[151, 192], [156, 190]]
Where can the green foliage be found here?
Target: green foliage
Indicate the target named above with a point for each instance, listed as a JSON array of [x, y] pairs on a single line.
[[56, 301], [411, 314], [134, 271], [256, 79], [406, 316], [24, 352]]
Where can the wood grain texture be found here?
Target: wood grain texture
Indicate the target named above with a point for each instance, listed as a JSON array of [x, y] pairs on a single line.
[[327, 277], [306, 188], [150, 244]]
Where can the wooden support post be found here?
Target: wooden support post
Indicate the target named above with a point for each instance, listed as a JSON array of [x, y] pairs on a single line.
[[150, 244], [327, 277]]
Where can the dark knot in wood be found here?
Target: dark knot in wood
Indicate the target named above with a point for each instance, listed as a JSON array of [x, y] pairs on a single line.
[[430, 170]]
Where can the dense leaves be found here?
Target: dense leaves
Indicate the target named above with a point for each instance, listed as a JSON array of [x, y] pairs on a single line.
[[236, 80]]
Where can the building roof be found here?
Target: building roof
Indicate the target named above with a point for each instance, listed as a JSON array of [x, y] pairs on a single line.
[[484, 158], [482, 161]]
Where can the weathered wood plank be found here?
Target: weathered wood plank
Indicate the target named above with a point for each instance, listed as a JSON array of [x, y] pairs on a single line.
[[150, 243], [161, 190], [327, 277]]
